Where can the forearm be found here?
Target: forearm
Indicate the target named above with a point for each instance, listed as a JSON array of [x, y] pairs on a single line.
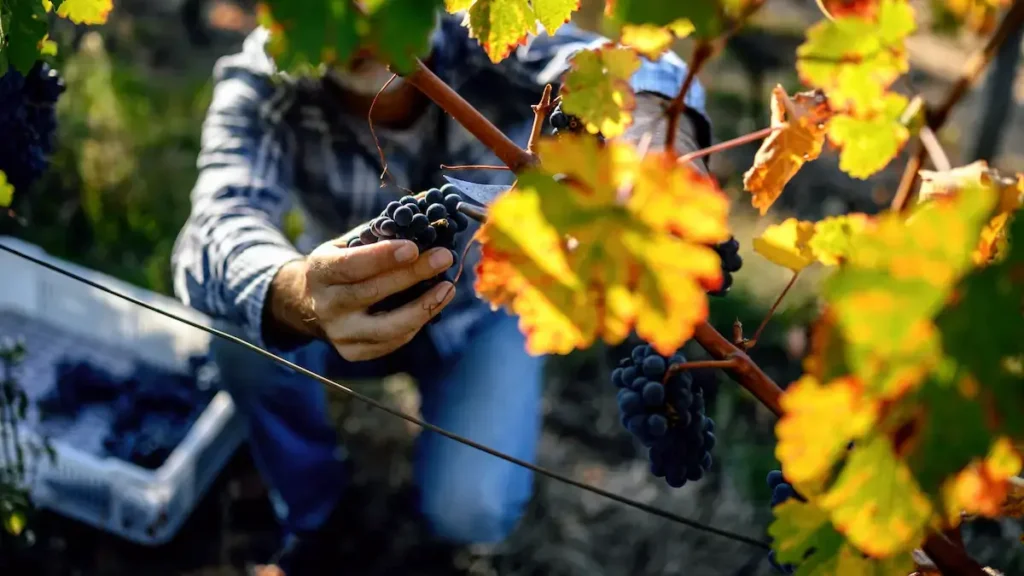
[[288, 318]]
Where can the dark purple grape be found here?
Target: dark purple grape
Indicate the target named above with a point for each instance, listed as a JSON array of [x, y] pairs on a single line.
[[403, 216], [436, 212]]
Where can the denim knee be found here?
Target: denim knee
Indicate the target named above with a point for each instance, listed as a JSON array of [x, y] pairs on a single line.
[[468, 513]]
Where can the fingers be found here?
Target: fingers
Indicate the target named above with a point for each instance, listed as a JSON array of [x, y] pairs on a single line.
[[363, 294], [366, 336], [332, 264]]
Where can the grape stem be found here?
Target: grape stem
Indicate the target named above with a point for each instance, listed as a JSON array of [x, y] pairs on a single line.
[[674, 369], [972, 69], [473, 167], [748, 344], [540, 114], [738, 141]]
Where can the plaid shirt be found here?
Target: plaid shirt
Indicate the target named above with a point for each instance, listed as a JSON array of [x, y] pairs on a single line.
[[270, 144]]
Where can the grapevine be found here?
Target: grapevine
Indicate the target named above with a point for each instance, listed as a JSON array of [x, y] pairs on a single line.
[[603, 236]]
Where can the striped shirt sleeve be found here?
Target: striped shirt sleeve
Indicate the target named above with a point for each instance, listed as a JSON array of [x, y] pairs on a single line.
[[232, 245]]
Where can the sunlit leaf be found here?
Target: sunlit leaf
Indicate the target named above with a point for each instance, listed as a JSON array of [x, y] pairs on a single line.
[[854, 58], [805, 452], [1011, 197], [6, 191], [786, 244], [802, 121], [620, 244], [897, 277], [982, 488], [708, 18], [869, 140], [400, 30], [14, 522], [833, 237], [803, 536], [652, 41], [979, 16], [875, 500], [501, 25], [597, 89], [85, 11], [846, 8]]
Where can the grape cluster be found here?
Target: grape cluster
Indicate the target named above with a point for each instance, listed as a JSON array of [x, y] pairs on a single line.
[[781, 491], [560, 121], [152, 409], [729, 252], [665, 414], [431, 221], [28, 121]]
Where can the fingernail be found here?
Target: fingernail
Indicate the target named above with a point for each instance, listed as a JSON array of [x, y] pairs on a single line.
[[443, 292], [441, 259], [406, 252]]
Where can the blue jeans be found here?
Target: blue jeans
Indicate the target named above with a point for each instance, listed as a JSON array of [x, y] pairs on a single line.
[[488, 392]]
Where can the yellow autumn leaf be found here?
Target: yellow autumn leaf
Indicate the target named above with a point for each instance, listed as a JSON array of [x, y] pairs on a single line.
[[598, 255], [86, 11], [868, 140], [651, 40], [786, 244], [6, 191], [984, 487], [875, 500], [833, 237], [806, 453], [801, 123], [597, 90]]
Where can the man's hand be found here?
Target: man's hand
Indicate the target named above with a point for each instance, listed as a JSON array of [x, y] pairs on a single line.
[[327, 295]]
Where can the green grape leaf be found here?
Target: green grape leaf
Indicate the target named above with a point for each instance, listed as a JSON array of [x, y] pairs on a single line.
[[26, 28], [855, 59], [993, 348], [868, 141], [85, 11], [6, 191], [708, 18], [400, 30], [652, 41], [803, 536], [875, 500], [306, 34], [501, 25], [936, 450], [597, 89], [897, 277], [833, 236]]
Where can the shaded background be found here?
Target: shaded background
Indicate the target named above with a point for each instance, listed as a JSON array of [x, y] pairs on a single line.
[[117, 193]]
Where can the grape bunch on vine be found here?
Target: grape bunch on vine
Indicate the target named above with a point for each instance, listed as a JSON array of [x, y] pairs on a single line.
[[906, 421]]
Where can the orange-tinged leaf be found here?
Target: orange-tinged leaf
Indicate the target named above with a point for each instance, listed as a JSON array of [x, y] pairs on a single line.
[[86, 11], [786, 244], [597, 89], [805, 118], [868, 141], [844, 8], [598, 254], [875, 500], [832, 238], [652, 41], [983, 487], [854, 59], [806, 453]]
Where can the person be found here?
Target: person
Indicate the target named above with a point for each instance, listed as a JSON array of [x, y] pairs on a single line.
[[271, 145]]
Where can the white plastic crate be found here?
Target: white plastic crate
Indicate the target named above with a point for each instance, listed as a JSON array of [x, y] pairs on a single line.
[[57, 315]]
